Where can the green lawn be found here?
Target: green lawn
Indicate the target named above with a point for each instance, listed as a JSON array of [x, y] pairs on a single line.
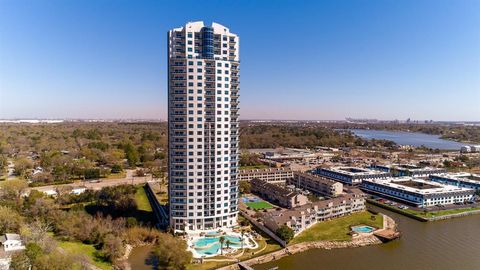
[[119, 175], [338, 229], [142, 200], [259, 205], [87, 250], [451, 211], [440, 213], [261, 166]]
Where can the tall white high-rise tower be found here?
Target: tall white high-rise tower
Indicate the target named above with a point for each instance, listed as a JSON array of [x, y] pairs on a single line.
[[203, 85]]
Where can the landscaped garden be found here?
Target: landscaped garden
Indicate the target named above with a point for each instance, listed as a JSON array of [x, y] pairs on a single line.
[[259, 205], [338, 229]]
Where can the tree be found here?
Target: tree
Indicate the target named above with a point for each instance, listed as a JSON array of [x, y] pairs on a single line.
[[140, 172], [10, 220], [112, 247], [228, 242], [116, 168], [3, 162], [20, 261], [244, 187], [172, 253], [131, 154], [285, 233], [12, 189], [22, 165], [221, 240]]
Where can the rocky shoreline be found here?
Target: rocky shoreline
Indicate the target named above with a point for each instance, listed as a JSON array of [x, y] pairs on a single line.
[[301, 247], [361, 241]]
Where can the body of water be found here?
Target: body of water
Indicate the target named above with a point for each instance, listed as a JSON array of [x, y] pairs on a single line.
[[441, 245], [141, 259], [409, 138]]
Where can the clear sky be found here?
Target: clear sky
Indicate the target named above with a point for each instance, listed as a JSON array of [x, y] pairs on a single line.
[[384, 59]]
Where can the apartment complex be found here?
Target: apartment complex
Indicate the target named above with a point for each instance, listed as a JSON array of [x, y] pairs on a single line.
[[302, 217], [203, 85], [272, 175], [278, 195], [399, 170], [418, 192], [466, 180], [351, 175], [316, 184]]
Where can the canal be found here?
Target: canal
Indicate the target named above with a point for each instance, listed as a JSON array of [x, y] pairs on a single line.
[[440, 245]]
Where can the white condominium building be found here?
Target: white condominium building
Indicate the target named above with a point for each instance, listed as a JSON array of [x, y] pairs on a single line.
[[203, 85]]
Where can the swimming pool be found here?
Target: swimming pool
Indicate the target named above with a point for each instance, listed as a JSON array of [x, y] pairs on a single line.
[[363, 229], [246, 199], [211, 245]]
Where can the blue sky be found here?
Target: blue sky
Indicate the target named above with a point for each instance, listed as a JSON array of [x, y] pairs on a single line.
[[382, 59]]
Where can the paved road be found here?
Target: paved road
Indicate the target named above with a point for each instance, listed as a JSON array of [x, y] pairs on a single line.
[[130, 179]]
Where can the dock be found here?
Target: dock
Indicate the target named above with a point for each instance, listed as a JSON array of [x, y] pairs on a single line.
[[387, 235], [389, 231]]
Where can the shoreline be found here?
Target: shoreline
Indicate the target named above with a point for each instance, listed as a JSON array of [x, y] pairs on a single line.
[[420, 218], [361, 241], [439, 136], [302, 247]]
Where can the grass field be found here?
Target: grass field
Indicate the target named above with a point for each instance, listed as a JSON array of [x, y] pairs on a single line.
[[119, 175], [259, 205], [338, 229], [86, 250], [142, 200]]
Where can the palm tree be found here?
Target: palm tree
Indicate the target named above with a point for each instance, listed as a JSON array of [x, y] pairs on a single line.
[[221, 240], [228, 244]]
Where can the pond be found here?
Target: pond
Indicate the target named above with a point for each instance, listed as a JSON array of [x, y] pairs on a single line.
[[140, 259]]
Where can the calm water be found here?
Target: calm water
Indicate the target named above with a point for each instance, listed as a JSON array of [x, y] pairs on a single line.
[[140, 259], [441, 245], [409, 138]]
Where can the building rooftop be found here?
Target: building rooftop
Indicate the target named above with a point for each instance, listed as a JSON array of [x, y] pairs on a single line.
[[409, 167], [10, 236], [416, 185], [318, 178], [353, 171], [282, 216], [465, 177], [276, 189], [266, 170]]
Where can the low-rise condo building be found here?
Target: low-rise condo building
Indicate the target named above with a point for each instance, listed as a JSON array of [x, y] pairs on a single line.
[[466, 180], [272, 175], [399, 170], [302, 217], [418, 192], [351, 175], [278, 195], [316, 184]]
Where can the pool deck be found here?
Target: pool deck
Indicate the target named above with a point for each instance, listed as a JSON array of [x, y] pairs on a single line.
[[194, 236]]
